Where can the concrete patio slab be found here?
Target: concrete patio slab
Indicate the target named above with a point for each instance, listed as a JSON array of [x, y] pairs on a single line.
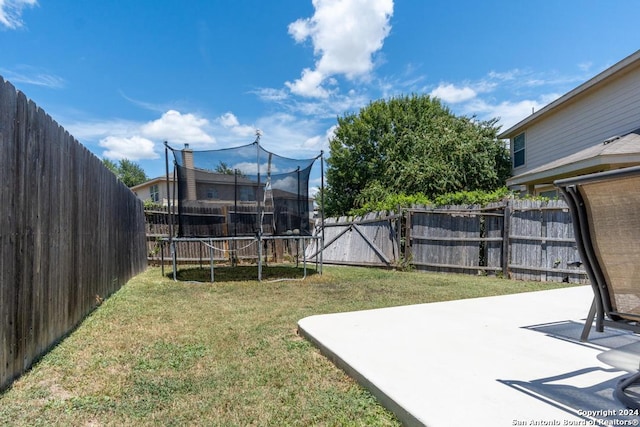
[[497, 361]]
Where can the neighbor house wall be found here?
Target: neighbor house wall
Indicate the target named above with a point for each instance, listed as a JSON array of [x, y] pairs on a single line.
[[591, 117], [143, 191]]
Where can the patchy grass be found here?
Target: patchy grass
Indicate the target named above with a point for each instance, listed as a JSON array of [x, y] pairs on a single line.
[[242, 273], [160, 352]]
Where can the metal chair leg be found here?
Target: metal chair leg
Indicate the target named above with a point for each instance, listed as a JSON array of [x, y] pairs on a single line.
[[623, 397], [588, 324]]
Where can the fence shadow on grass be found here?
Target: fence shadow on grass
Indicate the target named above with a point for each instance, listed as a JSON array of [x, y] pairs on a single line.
[[242, 273]]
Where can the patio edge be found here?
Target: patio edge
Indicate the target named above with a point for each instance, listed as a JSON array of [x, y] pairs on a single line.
[[404, 416]]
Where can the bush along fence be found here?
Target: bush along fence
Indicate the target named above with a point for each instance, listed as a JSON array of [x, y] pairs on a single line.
[[71, 234], [519, 239]]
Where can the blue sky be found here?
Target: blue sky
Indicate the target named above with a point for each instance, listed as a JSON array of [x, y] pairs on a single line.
[[123, 77]]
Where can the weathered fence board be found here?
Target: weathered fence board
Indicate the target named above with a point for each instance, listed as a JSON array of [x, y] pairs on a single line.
[[542, 244], [71, 234], [494, 232]]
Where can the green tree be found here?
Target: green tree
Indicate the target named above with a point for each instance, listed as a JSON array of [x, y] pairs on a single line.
[[111, 165], [225, 169], [130, 173], [411, 145]]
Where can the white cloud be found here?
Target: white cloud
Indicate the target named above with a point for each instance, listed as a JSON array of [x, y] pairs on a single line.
[[291, 136], [132, 148], [250, 168], [328, 108], [271, 94], [94, 130], [548, 98], [135, 140], [314, 142], [529, 79], [452, 94], [585, 66], [345, 35], [33, 76], [509, 112], [300, 29], [179, 128], [286, 134], [310, 85], [288, 183], [504, 75], [11, 12], [145, 105], [320, 142], [509, 95], [231, 122]]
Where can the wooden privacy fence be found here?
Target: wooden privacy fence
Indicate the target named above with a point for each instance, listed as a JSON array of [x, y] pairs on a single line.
[[455, 239], [520, 239], [541, 243], [70, 235]]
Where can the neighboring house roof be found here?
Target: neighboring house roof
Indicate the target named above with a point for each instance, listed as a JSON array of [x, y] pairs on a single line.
[[203, 175], [624, 66], [614, 152], [152, 181]]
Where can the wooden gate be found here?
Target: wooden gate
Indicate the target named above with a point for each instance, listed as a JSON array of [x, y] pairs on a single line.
[[372, 240]]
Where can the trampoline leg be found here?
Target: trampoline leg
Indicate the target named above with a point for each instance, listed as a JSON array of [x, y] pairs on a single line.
[[304, 257], [174, 261], [211, 259], [162, 257], [259, 258]]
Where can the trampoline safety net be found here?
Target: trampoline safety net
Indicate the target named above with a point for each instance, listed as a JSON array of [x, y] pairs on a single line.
[[242, 191]]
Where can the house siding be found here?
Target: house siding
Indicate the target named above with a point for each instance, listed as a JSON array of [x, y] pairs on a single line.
[[143, 191], [611, 109]]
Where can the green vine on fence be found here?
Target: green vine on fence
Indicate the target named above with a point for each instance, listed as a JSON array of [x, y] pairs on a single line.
[[394, 201]]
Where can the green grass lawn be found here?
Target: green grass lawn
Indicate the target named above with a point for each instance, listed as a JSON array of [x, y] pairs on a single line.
[[160, 352]]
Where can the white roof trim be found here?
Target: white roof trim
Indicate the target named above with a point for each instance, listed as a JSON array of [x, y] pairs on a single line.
[[151, 182], [573, 169]]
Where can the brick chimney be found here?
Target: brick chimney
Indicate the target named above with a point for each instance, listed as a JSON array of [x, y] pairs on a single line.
[[187, 161]]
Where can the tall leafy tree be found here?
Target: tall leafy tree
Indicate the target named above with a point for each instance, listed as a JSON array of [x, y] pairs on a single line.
[[411, 145], [111, 165], [130, 173], [225, 169]]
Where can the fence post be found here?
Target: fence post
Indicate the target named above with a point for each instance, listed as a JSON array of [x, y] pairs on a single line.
[[408, 256], [544, 262], [506, 241], [398, 231]]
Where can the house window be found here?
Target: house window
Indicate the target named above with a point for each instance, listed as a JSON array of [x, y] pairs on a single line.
[[246, 194], [155, 193], [518, 150], [550, 194], [212, 193]]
